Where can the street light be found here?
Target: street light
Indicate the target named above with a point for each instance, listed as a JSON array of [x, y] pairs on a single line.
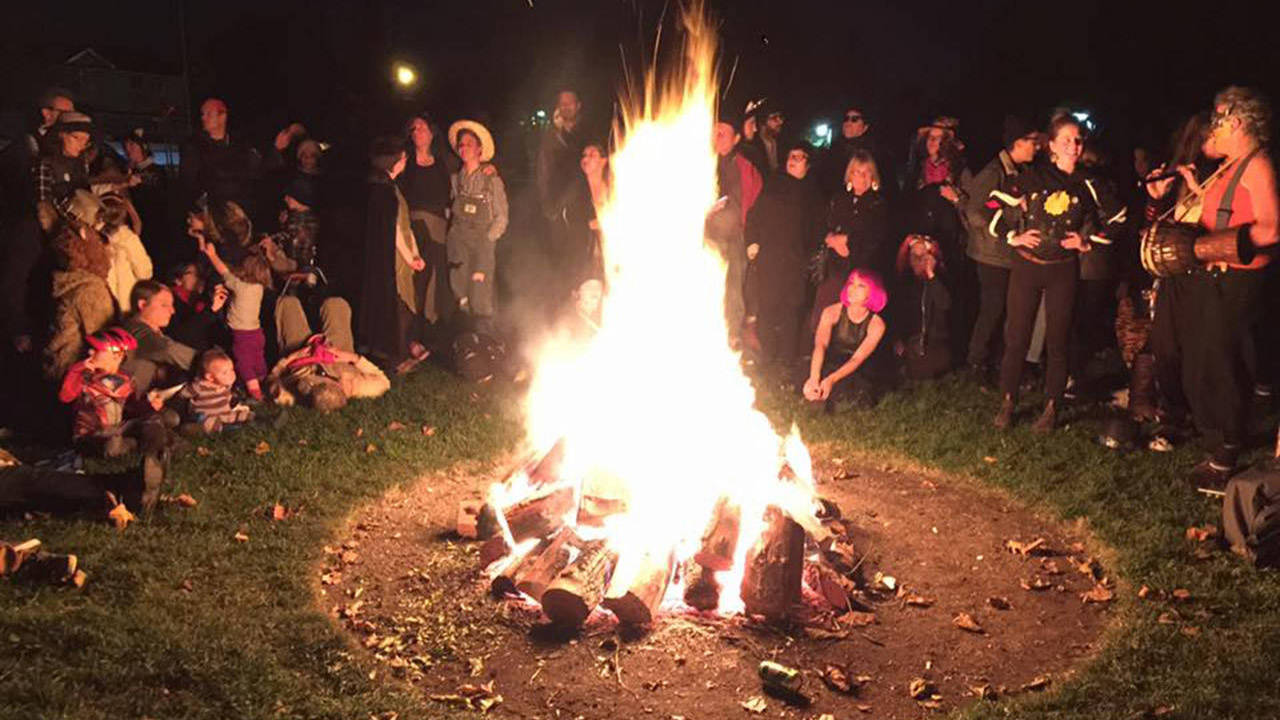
[[405, 76]]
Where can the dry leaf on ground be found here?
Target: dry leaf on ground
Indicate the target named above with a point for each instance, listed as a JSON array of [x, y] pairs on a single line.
[[755, 704], [1040, 682], [1181, 594], [1021, 548], [837, 679], [919, 689], [203, 451], [262, 448], [1099, 594], [1035, 583], [919, 601], [428, 430], [1000, 602], [120, 516], [278, 512], [241, 537], [965, 621], [856, 619], [395, 425]]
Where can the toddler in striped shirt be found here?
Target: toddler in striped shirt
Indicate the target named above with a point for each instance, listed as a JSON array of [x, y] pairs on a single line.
[[209, 398]]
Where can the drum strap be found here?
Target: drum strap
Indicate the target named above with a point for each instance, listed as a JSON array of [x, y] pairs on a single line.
[[1223, 218]]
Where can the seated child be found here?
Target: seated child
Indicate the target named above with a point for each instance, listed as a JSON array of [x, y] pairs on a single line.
[[209, 396], [101, 392], [324, 377]]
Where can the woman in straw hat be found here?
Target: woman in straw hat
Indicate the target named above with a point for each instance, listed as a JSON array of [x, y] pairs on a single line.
[[479, 218]]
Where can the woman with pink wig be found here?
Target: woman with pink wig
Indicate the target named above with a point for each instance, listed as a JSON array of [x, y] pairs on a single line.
[[847, 337]]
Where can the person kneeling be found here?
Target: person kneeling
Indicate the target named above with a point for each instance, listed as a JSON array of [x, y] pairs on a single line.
[[843, 367], [925, 347]]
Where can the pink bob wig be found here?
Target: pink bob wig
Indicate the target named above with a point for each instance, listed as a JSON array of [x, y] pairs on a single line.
[[877, 296]]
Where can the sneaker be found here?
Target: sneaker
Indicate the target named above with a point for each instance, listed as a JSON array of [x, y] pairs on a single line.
[[1210, 475]]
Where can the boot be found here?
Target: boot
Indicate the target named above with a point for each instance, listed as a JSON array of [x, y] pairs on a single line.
[[1005, 417], [1045, 422], [1142, 388]]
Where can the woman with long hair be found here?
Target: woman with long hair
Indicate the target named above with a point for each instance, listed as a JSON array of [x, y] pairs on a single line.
[[1048, 216], [425, 186]]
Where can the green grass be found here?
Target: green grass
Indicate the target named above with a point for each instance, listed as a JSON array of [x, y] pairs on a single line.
[[248, 642]]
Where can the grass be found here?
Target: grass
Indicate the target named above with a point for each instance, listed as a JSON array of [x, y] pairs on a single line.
[[247, 641]]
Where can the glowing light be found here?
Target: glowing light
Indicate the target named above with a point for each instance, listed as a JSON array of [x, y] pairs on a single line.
[[823, 130], [405, 75]]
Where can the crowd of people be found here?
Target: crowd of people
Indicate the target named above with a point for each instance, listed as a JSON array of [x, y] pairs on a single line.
[[162, 302]]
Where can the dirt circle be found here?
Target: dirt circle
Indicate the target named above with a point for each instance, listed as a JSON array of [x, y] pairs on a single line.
[[411, 593]]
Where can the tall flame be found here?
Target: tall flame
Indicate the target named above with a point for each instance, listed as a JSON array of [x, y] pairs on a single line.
[[657, 405]]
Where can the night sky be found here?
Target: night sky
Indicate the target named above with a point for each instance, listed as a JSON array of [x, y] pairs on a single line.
[[1139, 66]]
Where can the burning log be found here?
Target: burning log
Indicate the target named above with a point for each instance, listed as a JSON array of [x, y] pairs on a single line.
[[571, 597], [775, 565], [547, 470], [531, 573], [720, 539], [539, 515], [476, 520], [635, 597], [594, 509], [701, 588], [493, 549]]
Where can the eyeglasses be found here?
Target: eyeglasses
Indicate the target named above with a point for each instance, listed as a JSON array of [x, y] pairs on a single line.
[[853, 117]]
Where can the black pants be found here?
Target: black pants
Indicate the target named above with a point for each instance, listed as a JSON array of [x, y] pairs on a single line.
[[1220, 362], [778, 327], [1094, 321], [993, 289], [1027, 280], [1172, 331]]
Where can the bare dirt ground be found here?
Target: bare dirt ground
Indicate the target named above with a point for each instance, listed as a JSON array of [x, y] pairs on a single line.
[[411, 593]]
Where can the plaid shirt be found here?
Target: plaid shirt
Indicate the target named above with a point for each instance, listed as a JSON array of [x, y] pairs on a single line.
[[57, 177]]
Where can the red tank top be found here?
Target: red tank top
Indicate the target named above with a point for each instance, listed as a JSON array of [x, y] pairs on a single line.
[[1241, 210]]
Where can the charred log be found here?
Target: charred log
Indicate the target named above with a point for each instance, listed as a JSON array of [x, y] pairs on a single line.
[[774, 567], [580, 587], [636, 597]]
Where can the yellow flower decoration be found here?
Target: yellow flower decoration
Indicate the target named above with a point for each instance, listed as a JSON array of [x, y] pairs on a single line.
[[1057, 203]]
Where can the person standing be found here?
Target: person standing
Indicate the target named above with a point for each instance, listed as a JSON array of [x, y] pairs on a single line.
[[1047, 216], [992, 256], [479, 218], [387, 300], [425, 186], [215, 163], [857, 232], [782, 228], [555, 171], [739, 185], [855, 136]]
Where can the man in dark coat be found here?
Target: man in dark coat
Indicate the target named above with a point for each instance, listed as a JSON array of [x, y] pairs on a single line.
[[555, 172], [855, 134], [783, 227], [215, 163]]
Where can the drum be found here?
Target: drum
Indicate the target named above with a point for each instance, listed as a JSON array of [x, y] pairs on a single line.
[[1168, 249]]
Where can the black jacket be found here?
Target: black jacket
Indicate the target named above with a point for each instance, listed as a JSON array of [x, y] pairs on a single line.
[[787, 223], [865, 219], [227, 170], [1044, 198]]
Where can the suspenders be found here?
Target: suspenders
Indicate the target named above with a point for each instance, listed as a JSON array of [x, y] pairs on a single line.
[[1223, 217]]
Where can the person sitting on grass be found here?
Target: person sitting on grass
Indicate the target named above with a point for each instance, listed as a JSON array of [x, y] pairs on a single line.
[[324, 376], [102, 395], [209, 397], [844, 345], [82, 299], [156, 354]]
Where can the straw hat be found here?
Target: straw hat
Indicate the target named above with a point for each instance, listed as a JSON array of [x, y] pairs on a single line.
[[486, 139]]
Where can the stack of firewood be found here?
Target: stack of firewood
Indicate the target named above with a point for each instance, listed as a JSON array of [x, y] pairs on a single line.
[[570, 570]]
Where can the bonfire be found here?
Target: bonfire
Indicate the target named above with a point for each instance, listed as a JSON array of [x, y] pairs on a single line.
[[652, 481]]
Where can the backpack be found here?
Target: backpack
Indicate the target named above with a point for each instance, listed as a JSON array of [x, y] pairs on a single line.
[[1251, 514]]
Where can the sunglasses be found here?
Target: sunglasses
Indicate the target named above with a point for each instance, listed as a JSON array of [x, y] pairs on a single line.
[[853, 117]]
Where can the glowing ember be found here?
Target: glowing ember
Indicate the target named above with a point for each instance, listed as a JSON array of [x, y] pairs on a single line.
[[655, 412]]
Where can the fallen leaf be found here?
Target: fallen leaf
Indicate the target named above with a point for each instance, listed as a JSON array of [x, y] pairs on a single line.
[[1040, 682], [331, 578], [1051, 567], [241, 537], [989, 459], [1077, 547], [1143, 592], [1181, 594], [965, 621], [1099, 594], [428, 430], [1000, 602], [931, 703], [262, 448], [755, 704], [1035, 583], [1089, 567], [1162, 711], [349, 556], [1167, 618], [856, 619], [203, 451], [826, 716], [1189, 630], [359, 432], [477, 666], [394, 425], [864, 708], [1200, 534], [837, 679], [919, 601], [371, 448], [79, 579], [121, 516], [919, 689], [1021, 548], [885, 581], [186, 586], [278, 512], [983, 692]]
